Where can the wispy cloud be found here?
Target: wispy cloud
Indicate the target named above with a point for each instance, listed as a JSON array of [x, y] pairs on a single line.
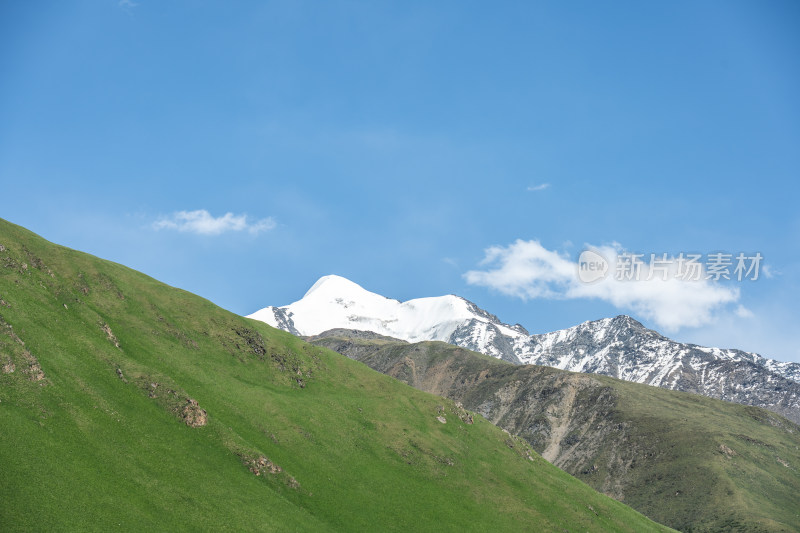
[[450, 261], [528, 270], [769, 272], [127, 4], [202, 222], [540, 187]]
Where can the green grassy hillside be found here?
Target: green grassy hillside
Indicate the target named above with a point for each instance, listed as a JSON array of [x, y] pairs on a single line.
[[126, 404], [688, 461]]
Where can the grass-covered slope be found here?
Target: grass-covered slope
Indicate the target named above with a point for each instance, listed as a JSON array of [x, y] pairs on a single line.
[[688, 461], [127, 404]]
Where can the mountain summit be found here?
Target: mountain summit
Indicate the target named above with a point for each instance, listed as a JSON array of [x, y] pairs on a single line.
[[336, 302], [619, 347]]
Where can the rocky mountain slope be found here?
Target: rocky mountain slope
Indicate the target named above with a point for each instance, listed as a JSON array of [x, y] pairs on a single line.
[[693, 463], [619, 347], [623, 348]]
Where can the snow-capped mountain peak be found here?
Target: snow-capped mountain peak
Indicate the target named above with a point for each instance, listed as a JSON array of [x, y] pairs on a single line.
[[336, 302], [339, 287]]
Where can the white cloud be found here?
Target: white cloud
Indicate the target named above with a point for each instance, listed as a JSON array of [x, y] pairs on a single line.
[[126, 4], [527, 270], [540, 187], [202, 223]]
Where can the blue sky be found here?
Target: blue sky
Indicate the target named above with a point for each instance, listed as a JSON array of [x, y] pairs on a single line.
[[394, 143]]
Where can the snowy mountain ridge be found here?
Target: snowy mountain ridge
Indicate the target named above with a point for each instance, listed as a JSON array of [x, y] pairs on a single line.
[[336, 302], [619, 347]]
